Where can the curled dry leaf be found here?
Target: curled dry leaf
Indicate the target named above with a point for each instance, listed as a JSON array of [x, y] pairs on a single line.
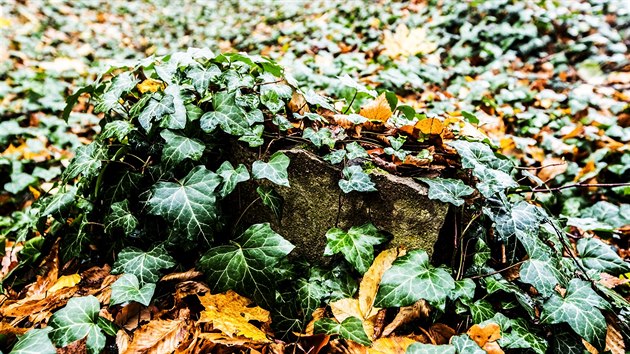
[[122, 341], [182, 276], [420, 309], [552, 167], [483, 335], [317, 315], [158, 336], [441, 333], [229, 313], [372, 278], [377, 110], [150, 85], [298, 103], [430, 126]]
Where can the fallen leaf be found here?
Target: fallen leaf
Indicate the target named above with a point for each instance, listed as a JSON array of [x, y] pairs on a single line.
[[122, 341], [610, 281], [407, 314], [482, 335], [150, 85], [552, 167], [229, 313], [372, 278], [158, 336], [65, 281], [346, 308], [182, 276], [430, 126], [298, 103], [441, 333], [405, 42], [377, 110], [391, 345]]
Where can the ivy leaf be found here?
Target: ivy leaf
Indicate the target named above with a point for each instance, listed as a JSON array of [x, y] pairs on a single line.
[[521, 336], [351, 329], [309, 295], [356, 180], [35, 341], [118, 129], [247, 265], [595, 254], [447, 190], [412, 278], [120, 84], [320, 137], [473, 154], [346, 80], [271, 199], [87, 161], [145, 266], [226, 114], [464, 290], [275, 170], [481, 310], [543, 275], [421, 348], [179, 147], [356, 151], [78, 319], [465, 345], [492, 181], [356, 245], [201, 77], [231, 177], [335, 157], [156, 109], [60, 202], [127, 288], [580, 309], [176, 120], [121, 218], [189, 204], [313, 98]]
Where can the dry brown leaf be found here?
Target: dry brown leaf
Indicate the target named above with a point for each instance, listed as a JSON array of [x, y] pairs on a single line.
[[391, 345], [50, 271], [182, 276], [405, 42], [157, 337], [312, 344], [372, 278], [65, 281], [10, 329], [229, 313], [377, 110], [407, 314], [552, 167], [345, 308], [610, 281], [614, 338], [76, 347], [317, 315], [122, 341], [298, 103], [482, 335], [150, 85], [493, 348], [441, 333]]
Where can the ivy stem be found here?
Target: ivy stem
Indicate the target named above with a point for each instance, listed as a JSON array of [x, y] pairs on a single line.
[[351, 102], [497, 272], [579, 185], [245, 211]]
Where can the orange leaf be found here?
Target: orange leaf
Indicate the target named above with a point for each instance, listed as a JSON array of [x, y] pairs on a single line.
[[394, 345], [430, 126], [482, 335], [150, 85], [159, 336], [378, 109]]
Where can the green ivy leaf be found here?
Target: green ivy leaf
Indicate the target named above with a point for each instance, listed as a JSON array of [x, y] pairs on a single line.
[[320, 137], [356, 151], [145, 266], [247, 265], [412, 278], [543, 275], [473, 154], [351, 329], [226, 114], [120, 84], [481, 310], [127, 288], [595, 254], [35, 341], [87, 161], [335, 157], [356, 180], [356, 245], [156, 109], [202, 77], [464, 345], [492, 181], [179, 147], [121, 218], [271, 199], [60, 202], [275, 170], [521, 336], [118, 129], [176, 120], [309, 295], [78, 319], [464, 290], [421, 348], [189, 204], [313, 98], [231, 177], [580, 309], [447, 190]]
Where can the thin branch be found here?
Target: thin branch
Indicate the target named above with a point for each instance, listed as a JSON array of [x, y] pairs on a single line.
[[579, 185], [497, 272]]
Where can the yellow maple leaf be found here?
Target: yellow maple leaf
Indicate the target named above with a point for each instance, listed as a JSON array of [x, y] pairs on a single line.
[[65, 281], [150, 85], [230, 313], [405, 42], [378, 109]]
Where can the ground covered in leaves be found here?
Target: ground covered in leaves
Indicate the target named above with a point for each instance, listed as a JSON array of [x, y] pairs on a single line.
[[427, 90]]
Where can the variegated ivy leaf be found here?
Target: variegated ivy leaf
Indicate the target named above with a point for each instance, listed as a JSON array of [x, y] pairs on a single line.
[[543, 275], [473, 154], [335, 157], [120, 84], [356, 180], [60, 202], [448, 190], [120, 218], [87, 161], [118, 129], [226, 114], [320, 137], [346, 80], [231, 177], [35, 341], [492, 181], [580, 308], [146, 266], [176, 120], [350, 329], [271, 199], [271, 83], [202, 77], [155, 110], [412, 278], [597, 255], [248, 265], [189, 204], [272, 101], [421, 348], [464, 345], [179, 147], [275, 170], [77, 320], [127, 288], [356, 151], [309, 294], [516, 334], [315, 99], [356, 245]]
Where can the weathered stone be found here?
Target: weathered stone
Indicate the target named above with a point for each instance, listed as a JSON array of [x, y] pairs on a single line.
[[314, 204]]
